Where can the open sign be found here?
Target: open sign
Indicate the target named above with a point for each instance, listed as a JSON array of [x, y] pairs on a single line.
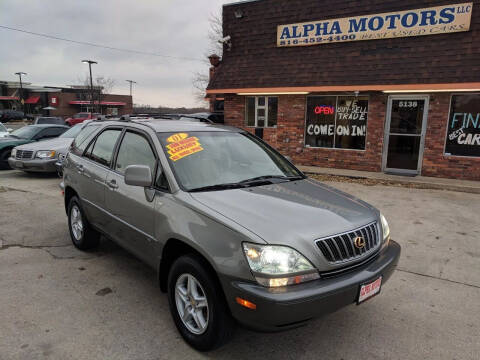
[[326, 110]]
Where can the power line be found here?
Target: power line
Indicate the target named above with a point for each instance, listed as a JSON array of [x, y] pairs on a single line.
[[53, 37]]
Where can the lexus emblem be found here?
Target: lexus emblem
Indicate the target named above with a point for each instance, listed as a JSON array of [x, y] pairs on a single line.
[[359, 242]]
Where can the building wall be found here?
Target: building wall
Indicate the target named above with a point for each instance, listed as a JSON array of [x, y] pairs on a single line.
[[288, 137], [255, 61]]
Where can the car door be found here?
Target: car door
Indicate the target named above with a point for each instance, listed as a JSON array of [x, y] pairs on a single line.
[[92, 169], [132, 221]]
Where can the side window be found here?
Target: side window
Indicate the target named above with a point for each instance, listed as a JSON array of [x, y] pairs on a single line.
[[80, 142], [50, 133], [161, 180], [102, 148], [135, 150]]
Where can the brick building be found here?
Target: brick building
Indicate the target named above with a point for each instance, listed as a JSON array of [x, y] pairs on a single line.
[[368, 85], [66, 101]]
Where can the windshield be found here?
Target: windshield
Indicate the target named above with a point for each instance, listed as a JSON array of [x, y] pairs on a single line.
[[212, 159], [73, 132], [2, 128], [26, 132]]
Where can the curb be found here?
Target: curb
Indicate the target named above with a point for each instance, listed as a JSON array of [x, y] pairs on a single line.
[[412, 184]]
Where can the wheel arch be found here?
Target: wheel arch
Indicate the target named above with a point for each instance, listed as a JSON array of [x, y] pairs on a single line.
[[173, 249], [69, 193]]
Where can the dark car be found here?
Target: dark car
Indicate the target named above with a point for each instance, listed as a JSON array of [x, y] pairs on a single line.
[[25, 135], [9, 115], [57, 120]]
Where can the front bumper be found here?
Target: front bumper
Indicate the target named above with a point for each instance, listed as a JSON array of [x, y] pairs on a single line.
[[34, 165], [283, 308]]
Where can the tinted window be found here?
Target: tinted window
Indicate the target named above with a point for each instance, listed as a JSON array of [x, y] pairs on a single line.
[[2, 128], [50, 120], [50, 132], [134, 150], [80, 142], [102, 148]]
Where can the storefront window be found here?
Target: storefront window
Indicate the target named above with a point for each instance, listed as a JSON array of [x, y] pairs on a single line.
[[261, 111], [337, 122], [463, 134]]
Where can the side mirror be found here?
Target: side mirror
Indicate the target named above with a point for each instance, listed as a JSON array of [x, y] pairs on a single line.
[[9, 129], [138, 175]]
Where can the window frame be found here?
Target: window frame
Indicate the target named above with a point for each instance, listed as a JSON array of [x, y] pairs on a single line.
[[260, 107], [158, 164], [92, 143], [305, 146]]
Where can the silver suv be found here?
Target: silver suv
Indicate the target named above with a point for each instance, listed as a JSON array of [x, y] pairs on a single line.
[[235, 232]]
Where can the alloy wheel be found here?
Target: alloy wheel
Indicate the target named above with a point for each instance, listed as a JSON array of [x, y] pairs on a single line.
[[192, 304]]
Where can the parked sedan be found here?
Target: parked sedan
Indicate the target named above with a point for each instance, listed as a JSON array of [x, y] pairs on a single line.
[[4, 131], [25, 135], [43, 156]]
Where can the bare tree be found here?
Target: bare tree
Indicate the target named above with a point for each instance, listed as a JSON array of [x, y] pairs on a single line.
[[101, 86], [200, 78]]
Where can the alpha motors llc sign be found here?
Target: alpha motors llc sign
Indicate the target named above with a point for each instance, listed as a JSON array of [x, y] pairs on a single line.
[[418, 22]]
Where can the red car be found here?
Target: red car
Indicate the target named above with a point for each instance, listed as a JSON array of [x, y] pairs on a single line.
[[81, 117]]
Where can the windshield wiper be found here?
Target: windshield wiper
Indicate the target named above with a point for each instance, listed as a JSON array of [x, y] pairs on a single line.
[[267, 177], [218, 187]]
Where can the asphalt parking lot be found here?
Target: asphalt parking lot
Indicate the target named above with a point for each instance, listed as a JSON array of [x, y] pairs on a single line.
[[60, 303]]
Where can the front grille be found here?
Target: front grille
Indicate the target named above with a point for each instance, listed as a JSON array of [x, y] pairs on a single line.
[[24, 154], [341, 247]]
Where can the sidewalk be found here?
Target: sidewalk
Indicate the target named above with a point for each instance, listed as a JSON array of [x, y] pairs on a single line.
[[421, 181]]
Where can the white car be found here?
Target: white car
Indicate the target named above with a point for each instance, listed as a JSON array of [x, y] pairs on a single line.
[[4, 131]]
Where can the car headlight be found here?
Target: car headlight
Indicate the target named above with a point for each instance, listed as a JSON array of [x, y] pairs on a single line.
[[385, 228], [13, 153], [45, 154], [275, 266]]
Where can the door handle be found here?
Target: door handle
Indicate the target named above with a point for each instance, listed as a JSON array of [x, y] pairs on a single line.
[[112, 184]]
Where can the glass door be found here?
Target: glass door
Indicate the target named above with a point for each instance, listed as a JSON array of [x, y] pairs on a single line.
[[405, 134]]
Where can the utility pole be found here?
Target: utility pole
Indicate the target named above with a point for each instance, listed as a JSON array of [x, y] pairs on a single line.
[[131, 85], [22, 101], [90, 62]]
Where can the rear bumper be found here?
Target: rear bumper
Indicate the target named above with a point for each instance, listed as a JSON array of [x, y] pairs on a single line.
[[284, 308], [35, 165]]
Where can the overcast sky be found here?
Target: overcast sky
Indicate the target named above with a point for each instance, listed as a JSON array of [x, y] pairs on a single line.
[[171, 27]]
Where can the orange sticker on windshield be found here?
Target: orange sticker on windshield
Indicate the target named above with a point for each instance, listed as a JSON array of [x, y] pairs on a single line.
[[181, 146]]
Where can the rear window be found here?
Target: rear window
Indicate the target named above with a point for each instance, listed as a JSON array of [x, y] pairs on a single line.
[[50, 120]]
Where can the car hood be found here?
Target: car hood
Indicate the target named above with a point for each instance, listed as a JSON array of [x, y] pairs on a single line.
[[56, 144], [291, 213]]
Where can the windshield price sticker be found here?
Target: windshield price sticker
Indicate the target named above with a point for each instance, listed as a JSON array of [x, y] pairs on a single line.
[[181, 145]]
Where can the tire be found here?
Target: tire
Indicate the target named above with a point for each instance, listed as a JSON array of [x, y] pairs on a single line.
[[84, 237], [4, 155], [218, 323]]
